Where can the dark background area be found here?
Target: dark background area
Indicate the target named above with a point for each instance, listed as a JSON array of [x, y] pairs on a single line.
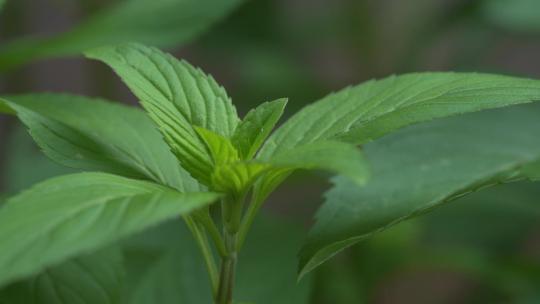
[[304, 49]]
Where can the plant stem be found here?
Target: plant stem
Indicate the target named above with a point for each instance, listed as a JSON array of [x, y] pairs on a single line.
[[228, 271], [206, 251], [231, 212]]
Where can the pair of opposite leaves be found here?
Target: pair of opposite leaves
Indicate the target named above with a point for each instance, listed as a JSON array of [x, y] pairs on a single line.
[[200, 124]]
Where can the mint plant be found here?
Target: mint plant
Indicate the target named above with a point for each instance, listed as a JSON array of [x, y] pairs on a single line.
[[191, 156]]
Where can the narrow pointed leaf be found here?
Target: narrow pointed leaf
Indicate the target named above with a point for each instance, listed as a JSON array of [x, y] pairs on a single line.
[[370, 110], [221, 149], [73, 214], [92, 278], [177, 97], [256, 126], [333, 156], [94, 134], [420, 168]]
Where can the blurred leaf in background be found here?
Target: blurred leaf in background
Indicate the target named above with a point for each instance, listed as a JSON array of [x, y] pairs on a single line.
[[26, 165], [91, 278], [164, 266], [480, 239], [161, 23], [514, 15]]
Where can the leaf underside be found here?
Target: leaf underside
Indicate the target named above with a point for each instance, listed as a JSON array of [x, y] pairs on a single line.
[[420, 168]]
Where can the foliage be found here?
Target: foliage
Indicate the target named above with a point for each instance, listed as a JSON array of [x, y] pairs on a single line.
[[191, 156], [517, 15]]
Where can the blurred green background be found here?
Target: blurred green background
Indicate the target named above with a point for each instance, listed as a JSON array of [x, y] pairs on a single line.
[[484, 248]]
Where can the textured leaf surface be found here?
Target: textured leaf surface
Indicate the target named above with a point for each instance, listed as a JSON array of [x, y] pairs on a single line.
[[73, 214], [165, 84], [94, 134], [177, 97], [92, 278], [161, 23], [256, 126], [419, 168], [365, 112]]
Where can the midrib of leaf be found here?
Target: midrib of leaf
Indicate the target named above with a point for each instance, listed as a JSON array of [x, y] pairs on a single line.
[[137, 163], [147, 157], [354, 108], [486, 181], [178, 88]]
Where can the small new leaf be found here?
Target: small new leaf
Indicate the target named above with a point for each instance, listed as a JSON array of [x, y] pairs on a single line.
[[221, 149], [333, 156], [256, 126], [237, 177]]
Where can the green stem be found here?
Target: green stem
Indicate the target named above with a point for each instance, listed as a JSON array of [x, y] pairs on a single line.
[[204, 218], [232, 208], [228, 271], [251, 213], [206, 251]]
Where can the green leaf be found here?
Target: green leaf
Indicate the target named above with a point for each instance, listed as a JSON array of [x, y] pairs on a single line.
[[93, 278], [76, 213], [365, 112], [26, 166], [516, 15], [420, 168], [177, 97], [237, 177], [256, 126], [94, 134], [161, 23], [533, 171], [165, 84], [221, 149], [334, 156]]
